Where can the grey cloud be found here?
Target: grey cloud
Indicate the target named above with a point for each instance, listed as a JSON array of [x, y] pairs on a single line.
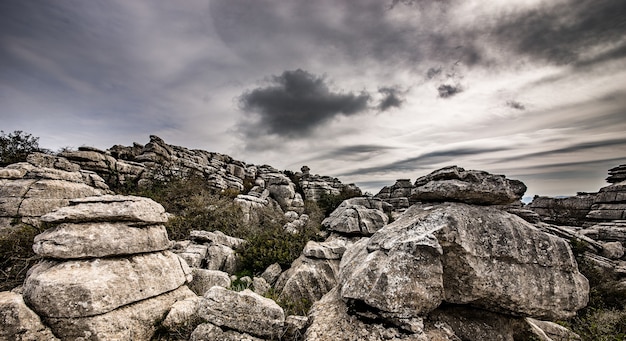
[[360, 152], [297, 101], [579, 147], [447, 90], [594, 163], [516, 105], [393, 98], [424, 161]]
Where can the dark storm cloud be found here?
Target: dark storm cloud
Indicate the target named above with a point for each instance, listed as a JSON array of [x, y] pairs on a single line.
[[562, 32], [297, 101], [447, 90], [393, 98], [360, 152], [424, 161]]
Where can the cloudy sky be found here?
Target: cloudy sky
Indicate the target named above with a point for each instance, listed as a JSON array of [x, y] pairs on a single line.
[[369, 91]]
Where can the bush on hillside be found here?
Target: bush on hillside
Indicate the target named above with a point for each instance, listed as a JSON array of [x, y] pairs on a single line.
[[16, 254], [15, 147]]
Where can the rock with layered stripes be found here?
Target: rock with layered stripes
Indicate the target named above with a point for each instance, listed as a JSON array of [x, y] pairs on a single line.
[[80, 288], [358, 216], [308, 279]]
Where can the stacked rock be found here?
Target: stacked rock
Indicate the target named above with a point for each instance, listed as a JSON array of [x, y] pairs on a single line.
[[107, 273], [617, 174]]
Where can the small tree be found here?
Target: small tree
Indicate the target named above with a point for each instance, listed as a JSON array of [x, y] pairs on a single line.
[[15, 146]]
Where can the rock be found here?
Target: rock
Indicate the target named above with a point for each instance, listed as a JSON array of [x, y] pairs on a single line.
[[203, 280], [194, 255], [260, 285], [617, 174], [609, 204], [210, 332], [295, 326], [400, 280], [553, 331], [491, 259], [249, 205], [329, 319], [110, 208], [80, 288], [472, 187], [398, 194], [307, 280], [291, 216], [182, 314], [325, 250], [271, 274], [244, 311], [215, 237], [570, 211], [18, 322], [613, 250], [221, 257], [137, 321], [89, 240], [362, 216]]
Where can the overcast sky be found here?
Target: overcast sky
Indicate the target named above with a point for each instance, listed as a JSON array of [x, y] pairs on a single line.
[[368, 91]]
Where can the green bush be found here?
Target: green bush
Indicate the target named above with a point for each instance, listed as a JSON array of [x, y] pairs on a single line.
[[16, 254], [15, 147]]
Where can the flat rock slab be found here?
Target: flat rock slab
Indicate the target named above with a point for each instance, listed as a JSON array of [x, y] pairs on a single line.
[[137, 321], [245, 312], [81, 288], [91, 240], [109, 208]]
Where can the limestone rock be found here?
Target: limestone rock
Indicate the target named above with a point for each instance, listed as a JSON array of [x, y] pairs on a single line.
[[110, 208], [617, 174], [553, 331], [19, 323], [221, 257], [609, 204], [272, 273], [490, 259], [613, 250], [137, 321], [91, 240], [325, 250], [570, 211], [243, 311], [203, 280], [472, 187], [362, 216], [194, 255], [260, 285], [400, 279], [397, 194], [211, 332], [308, 279], [215, 237], [183, 313], [295, 326], [80, 288]]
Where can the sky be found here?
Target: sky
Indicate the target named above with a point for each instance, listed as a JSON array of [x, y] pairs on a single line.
[[368, 91]]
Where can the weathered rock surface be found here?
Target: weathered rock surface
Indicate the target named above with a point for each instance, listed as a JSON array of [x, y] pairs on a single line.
[[333, 249], [490, 259], [109, 208], [80, 288], [136, 321], [18, 322], [211, 332], [472, 187], [609, 204], [182, 313], [271, 274], [204, 279], [398, 194], [617, 174], [215, 237], [90, 240], [570, 211], [361, 216], [308, 279], [245, 312]]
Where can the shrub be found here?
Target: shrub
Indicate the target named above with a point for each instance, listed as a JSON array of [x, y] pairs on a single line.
[[15, 147], [329, 202], [16, 254]]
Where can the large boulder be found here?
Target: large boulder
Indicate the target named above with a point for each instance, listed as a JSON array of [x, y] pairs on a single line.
[[19, 322], [570, 211], [308, 279], [471, 186], [360, 216], [80, 288], [89, 240], [477, 255], [245, 312]]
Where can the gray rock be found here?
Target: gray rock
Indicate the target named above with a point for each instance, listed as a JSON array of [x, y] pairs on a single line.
[[613, 250], [295, 326], [211, 332], [571, 211], [307, 280], [215, 237], [80, 288], [221, 257], [272, 273], [137, 321], [203, 280], [552, 331], [89, 240], [361, 216], [472, 187], [325, 250], [183, 313], [19, 323], [245, 312], [260, 285], [194, 254], [110, 208]]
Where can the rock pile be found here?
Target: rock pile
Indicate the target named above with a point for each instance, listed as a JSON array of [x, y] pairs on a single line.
[[617, 174], [44, 183], [569, 211], [107, 274]]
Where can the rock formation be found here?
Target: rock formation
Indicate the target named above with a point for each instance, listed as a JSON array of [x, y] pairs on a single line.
[[569, 211], [98, 281]]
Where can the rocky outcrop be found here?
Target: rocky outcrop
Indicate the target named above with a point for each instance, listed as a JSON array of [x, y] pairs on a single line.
[[19, 322], [358, 216], [617, 174], [609, 204], [44, 183], [398, 194], [472, 187], [209, 250], [569, 211], [99, 288]]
